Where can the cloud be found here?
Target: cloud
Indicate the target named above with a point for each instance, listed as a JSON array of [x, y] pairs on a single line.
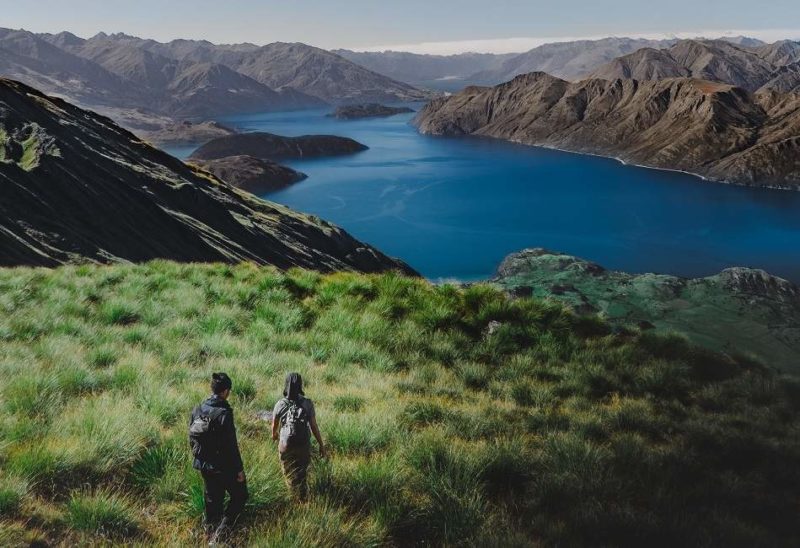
[[517, 45]]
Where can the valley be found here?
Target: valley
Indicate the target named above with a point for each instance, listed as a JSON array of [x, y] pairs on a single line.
[[454, 207]]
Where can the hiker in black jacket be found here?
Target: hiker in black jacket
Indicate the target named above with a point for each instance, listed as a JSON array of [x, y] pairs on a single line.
[[212, 436]]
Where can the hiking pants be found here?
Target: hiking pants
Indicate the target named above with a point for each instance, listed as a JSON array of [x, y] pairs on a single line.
[[294, 462], [216, 484]]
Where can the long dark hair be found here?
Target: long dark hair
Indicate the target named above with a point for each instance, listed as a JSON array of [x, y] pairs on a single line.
[[294, 386]]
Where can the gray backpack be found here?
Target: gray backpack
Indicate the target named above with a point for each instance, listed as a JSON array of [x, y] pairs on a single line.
[[294, 425]]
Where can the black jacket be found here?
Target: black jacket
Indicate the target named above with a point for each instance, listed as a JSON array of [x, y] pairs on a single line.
[[228, 459]]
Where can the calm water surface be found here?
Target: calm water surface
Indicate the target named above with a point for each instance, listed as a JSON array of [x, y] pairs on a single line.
[[454, 207]]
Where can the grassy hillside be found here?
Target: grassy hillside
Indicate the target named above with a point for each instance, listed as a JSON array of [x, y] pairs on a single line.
[[739, 310], [545, 428]]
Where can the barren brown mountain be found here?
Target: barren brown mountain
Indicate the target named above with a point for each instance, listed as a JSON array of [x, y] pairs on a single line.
[[715, 130]]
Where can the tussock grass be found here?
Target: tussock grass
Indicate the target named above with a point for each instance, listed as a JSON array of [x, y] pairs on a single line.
[[454, 416], [103, 513], [12, 491]]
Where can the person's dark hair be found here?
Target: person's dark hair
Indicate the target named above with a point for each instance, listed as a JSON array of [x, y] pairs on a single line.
[[220, 382], [294, 386]]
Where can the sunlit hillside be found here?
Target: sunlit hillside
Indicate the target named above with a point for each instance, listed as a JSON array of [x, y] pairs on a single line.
[[454, 416]]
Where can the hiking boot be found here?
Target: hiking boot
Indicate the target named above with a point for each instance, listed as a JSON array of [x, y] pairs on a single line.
[[221, 535], [208, 531]]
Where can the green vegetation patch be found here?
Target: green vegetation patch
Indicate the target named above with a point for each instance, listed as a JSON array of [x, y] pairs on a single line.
[[453, 416]]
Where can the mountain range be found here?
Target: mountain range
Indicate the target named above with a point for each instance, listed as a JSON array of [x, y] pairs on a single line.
[[769, 66], [569, 60], [118, 74], [713, 129], [426, 70], [75, 187]]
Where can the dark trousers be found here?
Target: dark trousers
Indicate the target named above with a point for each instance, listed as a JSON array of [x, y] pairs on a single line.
[[216, 485], [294, 462]]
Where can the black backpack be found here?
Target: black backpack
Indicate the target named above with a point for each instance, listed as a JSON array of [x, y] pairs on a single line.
[[294, 425], [203, 437]]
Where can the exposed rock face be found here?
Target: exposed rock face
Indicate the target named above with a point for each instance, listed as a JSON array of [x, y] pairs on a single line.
[[251, 174], [750, 68], [75, 187], [715, 130], [275, 147], [187, 133], [785, 79], [784, 52], [738, 310], [370, 110]]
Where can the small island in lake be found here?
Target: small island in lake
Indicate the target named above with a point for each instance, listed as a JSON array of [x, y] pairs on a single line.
[[370, 110], [268, 146], [251, 174]]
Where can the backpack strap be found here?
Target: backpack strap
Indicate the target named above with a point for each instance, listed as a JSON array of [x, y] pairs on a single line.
[[211, 416]]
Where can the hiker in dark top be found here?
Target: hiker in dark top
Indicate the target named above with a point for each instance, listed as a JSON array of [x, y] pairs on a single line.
[[212, 436], [292, 419]]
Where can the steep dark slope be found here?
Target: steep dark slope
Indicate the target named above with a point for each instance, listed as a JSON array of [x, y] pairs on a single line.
[[75, 187], [716, 130]]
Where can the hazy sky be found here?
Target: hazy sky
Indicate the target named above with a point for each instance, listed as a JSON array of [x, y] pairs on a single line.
[[437, 26]]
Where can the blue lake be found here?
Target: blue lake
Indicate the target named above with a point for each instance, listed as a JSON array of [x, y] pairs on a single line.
[[454, 207]]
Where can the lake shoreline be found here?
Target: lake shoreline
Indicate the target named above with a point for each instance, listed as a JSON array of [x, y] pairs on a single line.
[[454, 207]]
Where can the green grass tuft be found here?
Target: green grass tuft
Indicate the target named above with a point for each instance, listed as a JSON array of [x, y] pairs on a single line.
[[104, 513]]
